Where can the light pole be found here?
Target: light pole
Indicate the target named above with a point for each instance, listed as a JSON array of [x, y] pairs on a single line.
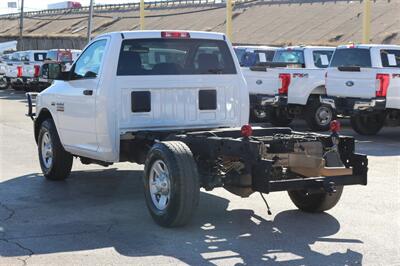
[[229, 19], [21, 27], [141, 11], [89, 29], [366, 33]]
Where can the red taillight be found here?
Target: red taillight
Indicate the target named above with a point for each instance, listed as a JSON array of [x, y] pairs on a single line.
[[382, 84], [285, 82], [246, 131], [175, 34], [19, 71], [37, 71], [335, 126]]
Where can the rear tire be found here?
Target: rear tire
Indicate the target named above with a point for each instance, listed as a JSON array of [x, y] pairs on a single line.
[[56, 163], [258, 116], [279, 118], [368, 124], [3, 84], [315, 202], [171, 183], [318, 116]]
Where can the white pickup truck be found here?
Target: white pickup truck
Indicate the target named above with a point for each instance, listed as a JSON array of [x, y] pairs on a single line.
[[33, 60], [4, 59], [363, 81], [174, 101], [13, 70], [292, 85]]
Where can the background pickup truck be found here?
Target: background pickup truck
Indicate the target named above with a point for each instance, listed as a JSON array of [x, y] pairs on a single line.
[[174, 101], [31, 68], [13, 71], [292, 86], [4, 59], [363, 81]]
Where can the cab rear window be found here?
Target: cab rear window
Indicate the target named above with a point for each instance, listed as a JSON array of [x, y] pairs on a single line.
[[390, 58], [174, 57], [322, 58], [351, 57]]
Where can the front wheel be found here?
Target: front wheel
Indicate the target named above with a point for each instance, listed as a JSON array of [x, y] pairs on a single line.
[[56, 163], [368, 124], [319, 116], [171, 183], [315, 202]]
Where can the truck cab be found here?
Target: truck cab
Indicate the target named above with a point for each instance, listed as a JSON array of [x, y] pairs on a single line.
[[127, 82], [291, 87], [363, 81]]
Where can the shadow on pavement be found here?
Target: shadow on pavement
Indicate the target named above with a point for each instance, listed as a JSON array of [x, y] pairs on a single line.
[[106, 209], [10, 94]]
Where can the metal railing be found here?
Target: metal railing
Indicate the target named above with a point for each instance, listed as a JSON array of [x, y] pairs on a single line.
[[158, 4]]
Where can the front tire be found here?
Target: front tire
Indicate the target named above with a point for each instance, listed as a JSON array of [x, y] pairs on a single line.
[[315, 202], [319, 116], [171, 183], [368, 124], [56, 163]]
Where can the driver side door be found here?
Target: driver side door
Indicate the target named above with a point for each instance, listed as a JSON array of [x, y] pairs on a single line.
[[76, 102]]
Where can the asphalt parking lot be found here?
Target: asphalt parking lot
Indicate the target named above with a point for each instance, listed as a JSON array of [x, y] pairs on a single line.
[[98, 216]]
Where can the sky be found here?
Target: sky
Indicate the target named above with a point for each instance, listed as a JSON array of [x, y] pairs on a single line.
[[34, 5]]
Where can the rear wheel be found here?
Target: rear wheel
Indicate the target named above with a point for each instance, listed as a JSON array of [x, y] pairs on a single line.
[[319, 116], [3, 84], [56, 163], [368, 124], [315, 202], [279, 117], [171, 183], [258, 116]]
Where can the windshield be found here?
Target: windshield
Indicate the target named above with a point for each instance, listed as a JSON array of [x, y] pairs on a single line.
[[289, 56], [174, 57], [348, 57]]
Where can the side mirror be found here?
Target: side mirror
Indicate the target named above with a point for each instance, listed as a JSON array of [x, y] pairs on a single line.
[[54, 71]]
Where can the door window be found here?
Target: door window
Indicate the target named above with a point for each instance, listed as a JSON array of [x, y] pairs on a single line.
[[390, 58], [322, 58], [88, 65]]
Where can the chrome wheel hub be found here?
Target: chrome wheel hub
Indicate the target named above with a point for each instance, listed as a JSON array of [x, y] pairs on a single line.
[[47, 150], [159, 185], [323, 115]]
